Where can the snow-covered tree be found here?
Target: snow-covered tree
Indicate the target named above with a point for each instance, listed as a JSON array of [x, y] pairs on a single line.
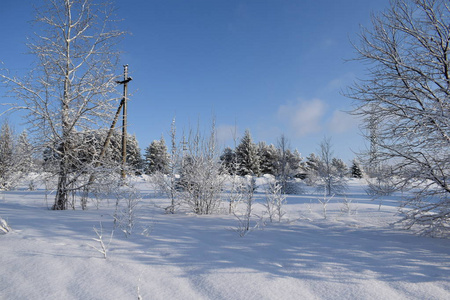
[[87, 148], [329, 178], [167, 179], [269, 159], [407, 95], [157, 157], [228, 159], [72, 85], [294, 160], [356, 171], [312, 164], [8, 160], [200, 177], [247, 156], [24, 151], [340, 167]]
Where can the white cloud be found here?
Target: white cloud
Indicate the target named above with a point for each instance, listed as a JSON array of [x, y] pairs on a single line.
[[303, 117], [341, 122]]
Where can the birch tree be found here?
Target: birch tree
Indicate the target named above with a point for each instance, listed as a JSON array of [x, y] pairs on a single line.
[[71, 87], [407, 94]]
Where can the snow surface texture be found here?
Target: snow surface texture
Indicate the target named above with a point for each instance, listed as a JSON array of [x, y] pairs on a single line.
[[356, 255]]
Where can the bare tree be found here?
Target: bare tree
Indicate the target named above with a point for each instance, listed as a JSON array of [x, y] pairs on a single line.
[[274, 201], [70, 89], [283, 147], [247, 190], [329, 178], [168, 183], [407, 95], [200, 176]]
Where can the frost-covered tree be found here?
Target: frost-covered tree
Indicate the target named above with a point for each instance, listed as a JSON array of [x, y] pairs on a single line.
[[407, 94], [247, 156], [200, 177], [167, 180], [72, 85], [87, 148], [228, 159], [8, 160], [157, 157], [269, 159], [15, 156], [288, 165], [294, 161], [312, 164], [329, 177], [356, 171], [24, 151], [339, 166]]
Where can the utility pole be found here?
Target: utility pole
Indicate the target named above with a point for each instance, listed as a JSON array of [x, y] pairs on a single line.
[[125, 81], [108, 137]]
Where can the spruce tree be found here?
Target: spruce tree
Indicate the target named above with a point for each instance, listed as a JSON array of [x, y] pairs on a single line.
[[157, 157], [24, 152], [268, 159], [247, 156], [227, 159], [356, 169], [339, 166], [7, 159], [293, 163]]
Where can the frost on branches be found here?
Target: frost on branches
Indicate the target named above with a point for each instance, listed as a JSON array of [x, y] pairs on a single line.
[[72, 85], [407, 96]]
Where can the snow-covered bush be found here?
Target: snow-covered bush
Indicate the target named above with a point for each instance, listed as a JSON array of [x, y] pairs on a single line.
[[244, 218], [348, 207], [127, 205], [274, 201], [200, 174], [103, 245]]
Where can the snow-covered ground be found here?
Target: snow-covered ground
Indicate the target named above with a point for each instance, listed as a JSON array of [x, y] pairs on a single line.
[[357, 255]]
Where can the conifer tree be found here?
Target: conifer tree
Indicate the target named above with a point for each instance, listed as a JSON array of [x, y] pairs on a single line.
[[269, 159], [228, 161], [294, 160], [247, 156], [157, 157], [356, 169], [24, 152], [6, 155], [339, 166]]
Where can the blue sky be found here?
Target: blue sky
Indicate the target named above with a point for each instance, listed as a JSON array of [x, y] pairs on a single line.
[[273, 67]]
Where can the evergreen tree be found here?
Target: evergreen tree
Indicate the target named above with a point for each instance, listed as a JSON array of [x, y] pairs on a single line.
[[312, 164], [339, 166], [247, 156], [356, 169], [24, 152], [134, 158], [87, 148], [293, 163], [157, 157], [228, 161], [269, 159], [7, 159]]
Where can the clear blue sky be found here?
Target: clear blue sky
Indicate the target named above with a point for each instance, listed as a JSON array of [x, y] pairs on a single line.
[[271, 67]]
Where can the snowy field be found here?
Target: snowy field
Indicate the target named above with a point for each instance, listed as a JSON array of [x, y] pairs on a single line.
[[349, 255]]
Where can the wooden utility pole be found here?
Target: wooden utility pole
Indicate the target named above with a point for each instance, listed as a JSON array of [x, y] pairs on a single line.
[[125, 81]]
